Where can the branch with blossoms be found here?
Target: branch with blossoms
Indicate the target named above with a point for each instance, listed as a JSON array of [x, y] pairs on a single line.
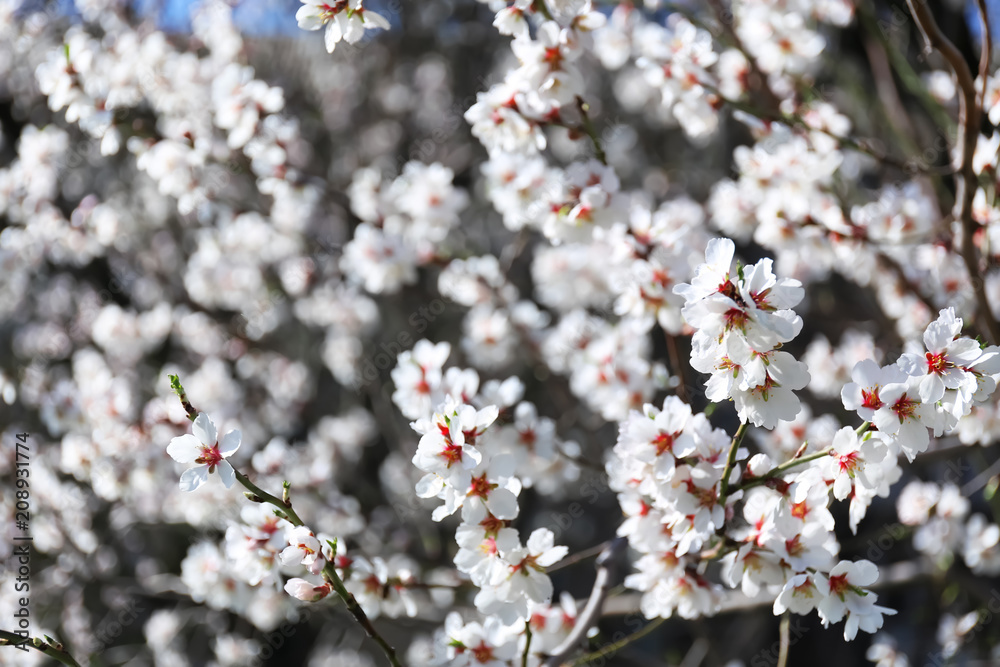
[[204, 448]]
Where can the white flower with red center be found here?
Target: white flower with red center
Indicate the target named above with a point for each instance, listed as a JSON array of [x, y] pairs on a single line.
[[949, 363], [771, 298], [493, 487], [801, 594], [849, 463], [863, 394], [207, 450], [417, 376], [447, 446], [724, 361], [810, 546], [750, 568], [684, 591], [713, 275], [740, 320], [656, 437], [306, 591], [303, 549], [489, 644], [478, 554], [524, 578], [383, 587], [700, 500], [773, 399], [807, 501], [344, 20], [512, 21], [845, 596], [904, 417]]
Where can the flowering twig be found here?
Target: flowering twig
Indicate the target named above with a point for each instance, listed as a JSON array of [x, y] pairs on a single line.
[[796, 460], [606, 570], [860, 145], [258, 495], [284, 510], [48, 646], [782, 469], [175, 384], [965, 175], [331, 577]]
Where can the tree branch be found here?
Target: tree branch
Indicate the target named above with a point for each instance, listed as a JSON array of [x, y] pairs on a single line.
[[284, 506], [50, 648], [965, 176], [606, 573]]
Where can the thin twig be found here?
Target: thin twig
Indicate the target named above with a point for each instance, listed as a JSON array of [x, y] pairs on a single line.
[[896, 268], [860, 145], [965, 175], [527, 643], [258, 495], [52, 649], [614, 647], [910, 79], [757, 76], [731, 461], [579, 556], [784, 638], [606, 572], [588, 127], [678, 366], [782, 469], [330, 575], [985, 50]]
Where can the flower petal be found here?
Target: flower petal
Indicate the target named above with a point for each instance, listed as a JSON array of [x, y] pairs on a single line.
[[193, 478], [185, 448], [227, 473], [230, 443], [204, 429]]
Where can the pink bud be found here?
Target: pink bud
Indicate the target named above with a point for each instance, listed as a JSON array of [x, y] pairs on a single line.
[[305, 591]]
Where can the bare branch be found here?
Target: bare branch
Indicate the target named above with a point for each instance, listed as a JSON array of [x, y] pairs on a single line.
[[607, 567], [969, 113]]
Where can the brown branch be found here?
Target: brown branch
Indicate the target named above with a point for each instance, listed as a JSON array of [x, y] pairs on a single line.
[[726, 19], [678, 366], [985, 50], [895, 267], [969, 114]]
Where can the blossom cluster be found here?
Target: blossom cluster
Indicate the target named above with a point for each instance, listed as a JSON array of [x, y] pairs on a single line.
[[505, 224]]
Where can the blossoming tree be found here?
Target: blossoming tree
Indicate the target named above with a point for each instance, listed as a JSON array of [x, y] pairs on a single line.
[[535, 332]]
